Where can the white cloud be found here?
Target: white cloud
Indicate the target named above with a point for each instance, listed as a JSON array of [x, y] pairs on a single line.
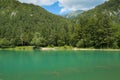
[[46, 2], [29, 1], [73, 5], [68, 5], [40, 2]]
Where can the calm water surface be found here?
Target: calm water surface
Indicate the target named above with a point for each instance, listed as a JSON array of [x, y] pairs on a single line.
[[59, 65]]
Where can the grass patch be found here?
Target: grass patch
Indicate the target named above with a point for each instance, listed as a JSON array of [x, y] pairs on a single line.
[[19, 48]]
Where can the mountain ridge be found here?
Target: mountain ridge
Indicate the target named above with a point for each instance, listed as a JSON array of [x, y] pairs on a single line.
[[73, 14]]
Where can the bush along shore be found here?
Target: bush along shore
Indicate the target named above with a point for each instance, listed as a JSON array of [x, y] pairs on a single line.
[[31, 48]]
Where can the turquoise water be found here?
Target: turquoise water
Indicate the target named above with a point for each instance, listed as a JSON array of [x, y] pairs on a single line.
[[59, 65]]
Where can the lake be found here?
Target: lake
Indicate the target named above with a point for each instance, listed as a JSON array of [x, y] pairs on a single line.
[[59, 65]]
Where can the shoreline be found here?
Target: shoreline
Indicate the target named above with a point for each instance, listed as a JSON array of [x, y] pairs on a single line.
[[30, 48], [78, 49]]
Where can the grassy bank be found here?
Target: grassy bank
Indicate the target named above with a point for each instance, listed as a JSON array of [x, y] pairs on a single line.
[[54, 48], [19, 48], [38, 48]]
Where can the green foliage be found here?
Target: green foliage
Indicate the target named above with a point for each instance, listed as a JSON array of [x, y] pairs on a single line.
[[20, 22], [4, 43], [26, 24], [80, 44], [99, 27], [38, 40]]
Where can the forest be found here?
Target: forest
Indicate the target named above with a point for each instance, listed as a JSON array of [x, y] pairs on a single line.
[[24, 24]]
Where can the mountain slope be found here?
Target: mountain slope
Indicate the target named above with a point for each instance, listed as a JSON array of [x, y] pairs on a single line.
[[110, 8], [27, 24], [99, 27], [73, 14]]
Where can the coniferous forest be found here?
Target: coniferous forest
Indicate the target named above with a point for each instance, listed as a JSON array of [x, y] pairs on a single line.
[[24, 24]]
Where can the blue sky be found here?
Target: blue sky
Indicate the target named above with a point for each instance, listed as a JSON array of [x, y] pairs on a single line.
[[63, 6], [53, 8]]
